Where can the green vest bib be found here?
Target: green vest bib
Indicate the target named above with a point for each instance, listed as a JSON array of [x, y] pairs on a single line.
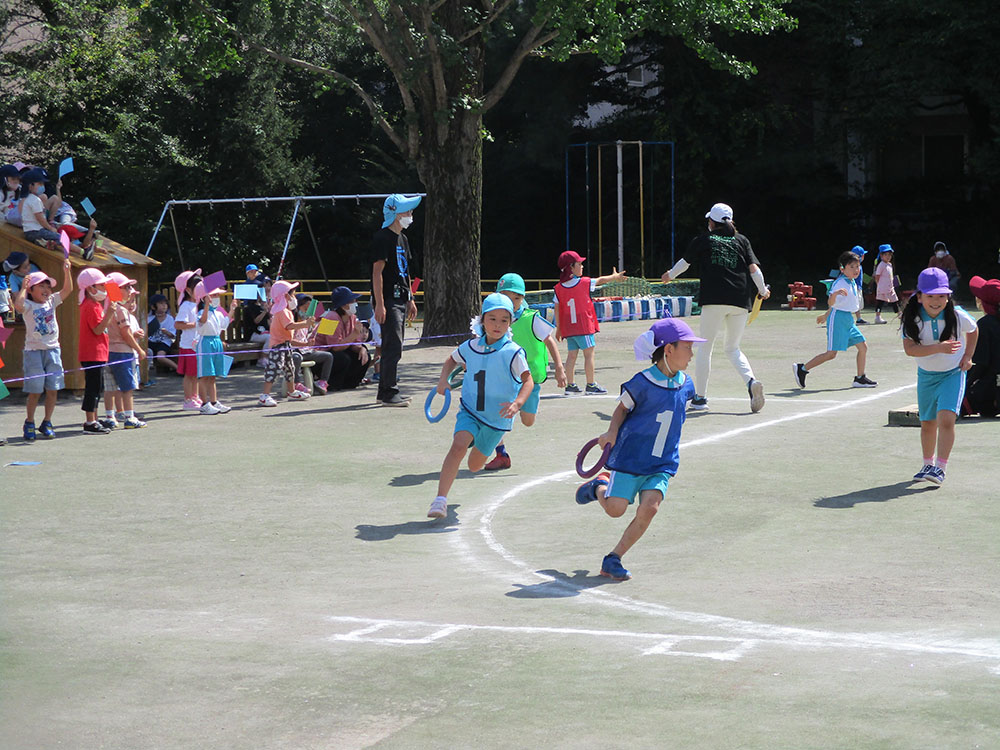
[[534, 350]]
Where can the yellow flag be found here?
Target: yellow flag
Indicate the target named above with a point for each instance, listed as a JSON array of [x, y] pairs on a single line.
[[327, 326]]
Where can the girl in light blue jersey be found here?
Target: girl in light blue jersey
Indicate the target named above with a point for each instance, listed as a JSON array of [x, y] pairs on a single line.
[[497, 382]]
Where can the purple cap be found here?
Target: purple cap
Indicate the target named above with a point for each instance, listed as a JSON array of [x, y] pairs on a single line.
[[933, 281], [672, 330]]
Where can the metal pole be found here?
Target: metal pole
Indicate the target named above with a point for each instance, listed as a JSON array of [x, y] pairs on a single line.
[[319, 257], [156, 231], [621, 214], [288, 239], [177, 238], [642, 219]]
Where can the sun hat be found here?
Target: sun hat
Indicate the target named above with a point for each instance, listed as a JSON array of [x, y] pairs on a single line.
[[397, 204], [341, 296], [200, 292], [278, 292], [511, 282], [940, 246], [933, 281], [719, 213], [988, 291], [251, 267], [14, 260], [301, 298], [663, 332], [37, 277], [886, 248], [120, 279], [567, 259], [35, 175], [497, 301], [180, 283], [87, 278], [9, 170], [860, 251]]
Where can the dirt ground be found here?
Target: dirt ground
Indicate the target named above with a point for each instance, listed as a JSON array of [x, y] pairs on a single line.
[[268, 578]]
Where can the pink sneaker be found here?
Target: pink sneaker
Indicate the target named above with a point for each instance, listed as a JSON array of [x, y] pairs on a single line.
[[321, 386], [197, 400], [301, 387], [192, 404]]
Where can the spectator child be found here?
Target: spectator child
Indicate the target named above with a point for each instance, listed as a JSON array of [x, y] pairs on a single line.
[[65, 223], [186, 322], [644, 455], [93, 348], [304, 340], [944, 337], [281, 357], [256, 320], [253, 274], [841, 332], [885, 285], [18, 265], [43, 368], [34, 222], [982, 393], [346, 343], [576, 320], [161, 332], [124, 352], [212, 321], [496, 385], [533, 333], [10, 185]]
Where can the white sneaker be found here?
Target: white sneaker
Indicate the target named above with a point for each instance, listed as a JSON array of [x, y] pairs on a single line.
[[207, 408], [266, 400], [297, 396], [222, 407], [439, 508]]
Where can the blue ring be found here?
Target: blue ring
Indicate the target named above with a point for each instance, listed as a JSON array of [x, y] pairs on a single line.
[[444, 410]]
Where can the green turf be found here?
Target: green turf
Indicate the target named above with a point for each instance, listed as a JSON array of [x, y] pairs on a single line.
[[268, 579]]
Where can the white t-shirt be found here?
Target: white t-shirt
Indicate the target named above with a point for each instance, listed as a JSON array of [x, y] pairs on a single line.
[[215, 324], [852, 302], [30, 206], [41, 329], [188, 313], [166, 332], [930, 332]]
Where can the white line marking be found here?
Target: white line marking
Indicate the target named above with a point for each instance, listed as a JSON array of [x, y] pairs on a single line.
[[783, 635]]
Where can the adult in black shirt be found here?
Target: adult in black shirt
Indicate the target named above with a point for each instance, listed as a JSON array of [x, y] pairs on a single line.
[[727, 266], [391, 295]]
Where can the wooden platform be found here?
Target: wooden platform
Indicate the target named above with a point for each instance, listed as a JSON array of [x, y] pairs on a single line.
[[905, 416]]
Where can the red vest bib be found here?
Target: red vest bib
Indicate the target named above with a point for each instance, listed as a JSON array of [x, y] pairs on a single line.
[[576, 309]]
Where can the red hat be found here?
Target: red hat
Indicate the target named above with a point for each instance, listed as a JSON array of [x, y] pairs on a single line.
[[567, 259], [988, 291]]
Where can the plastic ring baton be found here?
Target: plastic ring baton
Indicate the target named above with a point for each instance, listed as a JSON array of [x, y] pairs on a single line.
[[588, 473], [455, 379], [444, 409]]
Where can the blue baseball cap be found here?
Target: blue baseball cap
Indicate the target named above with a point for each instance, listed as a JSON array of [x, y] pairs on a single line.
[[886, 248], [251, 267], [496, 301], [859, 251], [511, 282], [397, 204]]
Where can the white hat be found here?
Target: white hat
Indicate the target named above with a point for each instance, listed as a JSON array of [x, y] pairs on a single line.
[[719, 213]]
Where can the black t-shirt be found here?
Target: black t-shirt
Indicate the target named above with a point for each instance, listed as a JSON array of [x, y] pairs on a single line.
[[723, 264], [251, 310], [394, 249]]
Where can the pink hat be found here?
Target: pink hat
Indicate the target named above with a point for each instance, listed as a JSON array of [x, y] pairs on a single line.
[[117, 277], [200, 293], [278, 291], [37, 277], [88, 277], [180, 283]]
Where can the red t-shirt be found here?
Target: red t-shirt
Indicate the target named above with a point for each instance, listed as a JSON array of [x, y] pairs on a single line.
[[93, 348]]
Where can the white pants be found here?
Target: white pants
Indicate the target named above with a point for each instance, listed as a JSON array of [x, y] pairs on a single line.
[[713, 318]]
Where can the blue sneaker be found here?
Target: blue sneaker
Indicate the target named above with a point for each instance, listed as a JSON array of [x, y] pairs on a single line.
[[925, 472], [29, 432], [593, 389], [935, 476], [612, 568], [46, 429], [587, 492]]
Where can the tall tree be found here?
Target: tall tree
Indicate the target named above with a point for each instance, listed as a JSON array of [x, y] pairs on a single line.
[[436, 53]]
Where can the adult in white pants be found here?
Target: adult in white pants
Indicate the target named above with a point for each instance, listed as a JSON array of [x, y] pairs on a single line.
[[729, 271]]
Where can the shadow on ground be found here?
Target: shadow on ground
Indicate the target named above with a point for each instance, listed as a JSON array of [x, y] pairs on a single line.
[[874, 495], [370, 533], [561, 586]]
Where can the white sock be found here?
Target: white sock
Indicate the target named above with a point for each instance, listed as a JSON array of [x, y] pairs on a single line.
[[128, 414], [109, 413]]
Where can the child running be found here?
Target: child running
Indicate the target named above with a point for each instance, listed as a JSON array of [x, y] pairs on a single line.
[[576, 320], [944, 337], [644, 433], [533, 333], [841, 331], [885, 283], [212, 321], [43, 369], [496, 385]]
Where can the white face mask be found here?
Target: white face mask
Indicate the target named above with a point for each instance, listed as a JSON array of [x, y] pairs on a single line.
[[352, 308], [99, 295], [213, 301], [940, 253], [405, 221]]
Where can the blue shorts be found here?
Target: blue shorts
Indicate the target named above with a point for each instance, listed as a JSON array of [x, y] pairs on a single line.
[[939, 391], [531, 404], [485, 439], [841, 332], [121, 365], [580, 342], [43, 370], [210, 362], [628, 485]]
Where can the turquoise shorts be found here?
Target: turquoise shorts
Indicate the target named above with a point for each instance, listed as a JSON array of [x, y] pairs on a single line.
[[939, 391], [531, 405], [485, 439], [629, 486], [580, 342], [841, 332]]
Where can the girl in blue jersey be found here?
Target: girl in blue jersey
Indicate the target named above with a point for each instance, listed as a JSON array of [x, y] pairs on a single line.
[[645, 432], [497, 382]]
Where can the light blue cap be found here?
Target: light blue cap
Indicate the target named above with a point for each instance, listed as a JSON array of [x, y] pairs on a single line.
[[496, 300], [397, 204]]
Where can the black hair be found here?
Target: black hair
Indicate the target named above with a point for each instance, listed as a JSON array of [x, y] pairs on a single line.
[[847, 257], [911, 319], [725, 227], [660, 353], [189, 287]]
